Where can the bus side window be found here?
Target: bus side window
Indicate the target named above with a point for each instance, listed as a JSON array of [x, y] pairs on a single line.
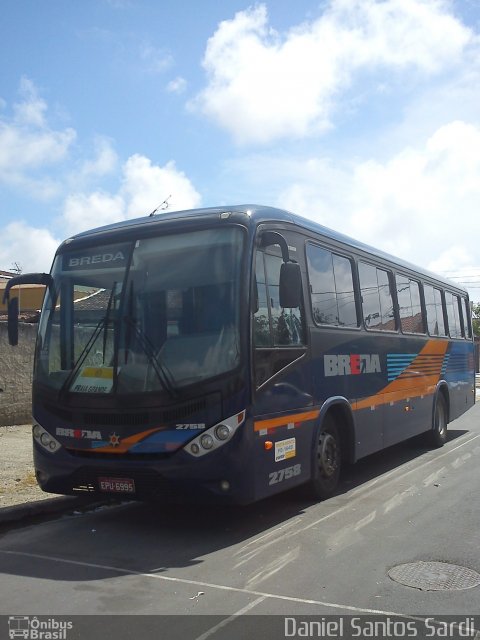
[[331, 286], [410, 310], [274, 325], [377, 302], [278, 333], [433, 306], [261, 320], [452, 315], [468, 319], [459, 314]]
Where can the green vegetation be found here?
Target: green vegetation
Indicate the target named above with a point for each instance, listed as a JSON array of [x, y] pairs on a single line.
[[476, 318]]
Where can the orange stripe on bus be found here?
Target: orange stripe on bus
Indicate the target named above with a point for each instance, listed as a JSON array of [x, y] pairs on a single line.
[[125, 443], [273, 423], [416, 384]]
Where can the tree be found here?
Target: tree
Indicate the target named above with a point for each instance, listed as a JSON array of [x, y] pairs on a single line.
[[476, 318]]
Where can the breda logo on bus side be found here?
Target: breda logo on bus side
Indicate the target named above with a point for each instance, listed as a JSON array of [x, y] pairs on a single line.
[[351, 364]]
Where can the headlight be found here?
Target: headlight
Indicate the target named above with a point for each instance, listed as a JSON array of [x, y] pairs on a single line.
[[206, 441], [216, 436], [45, 439], [222, 432]]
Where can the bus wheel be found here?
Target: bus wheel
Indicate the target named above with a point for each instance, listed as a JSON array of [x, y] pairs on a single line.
[[438, 435], [328, 460]]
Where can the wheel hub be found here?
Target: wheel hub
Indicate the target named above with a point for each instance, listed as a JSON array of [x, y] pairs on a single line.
[[327, 454]]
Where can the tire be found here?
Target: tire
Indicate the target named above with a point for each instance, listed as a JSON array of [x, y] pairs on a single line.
[[437, 436], [327, 460]]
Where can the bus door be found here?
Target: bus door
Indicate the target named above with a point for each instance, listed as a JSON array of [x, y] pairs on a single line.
[[282, 398]]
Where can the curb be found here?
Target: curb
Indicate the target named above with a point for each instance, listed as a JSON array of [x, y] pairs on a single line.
[[49, 506]]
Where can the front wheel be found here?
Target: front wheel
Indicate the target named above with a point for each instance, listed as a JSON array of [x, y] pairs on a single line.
[[438, 435], [327, 460]]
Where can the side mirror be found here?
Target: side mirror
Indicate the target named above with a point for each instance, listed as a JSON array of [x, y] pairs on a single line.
[[26, 278], [290, 285], [13, 321]]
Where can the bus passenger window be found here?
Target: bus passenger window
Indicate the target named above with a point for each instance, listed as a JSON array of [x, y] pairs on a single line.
[[410, 310], [468, 325], [453, 315], [433, 305], [377, 300], [457, 308], [331, 286]]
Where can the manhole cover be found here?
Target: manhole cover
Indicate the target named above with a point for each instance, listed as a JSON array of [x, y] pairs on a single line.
[[435, 576]]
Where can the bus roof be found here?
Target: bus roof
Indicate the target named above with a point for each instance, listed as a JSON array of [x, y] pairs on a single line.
[[254, 215]]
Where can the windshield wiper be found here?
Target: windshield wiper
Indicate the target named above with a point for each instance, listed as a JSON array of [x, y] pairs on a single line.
[[102, 324], [163, 373], [107, 321]]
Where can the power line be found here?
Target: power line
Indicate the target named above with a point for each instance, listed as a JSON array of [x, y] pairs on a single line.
[[445, 273]]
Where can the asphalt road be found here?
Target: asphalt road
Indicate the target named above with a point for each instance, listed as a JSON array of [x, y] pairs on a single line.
[[285, 556]]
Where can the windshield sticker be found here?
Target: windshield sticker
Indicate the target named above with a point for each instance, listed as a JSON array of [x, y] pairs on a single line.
[[94, 380], [285, 449]]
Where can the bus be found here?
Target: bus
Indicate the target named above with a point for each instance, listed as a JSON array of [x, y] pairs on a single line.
[[234, 353]]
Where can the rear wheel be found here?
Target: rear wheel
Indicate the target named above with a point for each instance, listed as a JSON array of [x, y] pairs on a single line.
[[327, 460], [438, 435]]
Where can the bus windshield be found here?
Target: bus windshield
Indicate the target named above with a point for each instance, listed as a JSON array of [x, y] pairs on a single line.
[[149, 315]]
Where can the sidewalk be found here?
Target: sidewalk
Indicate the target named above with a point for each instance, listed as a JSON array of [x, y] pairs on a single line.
[[20, 496], [17, 476]]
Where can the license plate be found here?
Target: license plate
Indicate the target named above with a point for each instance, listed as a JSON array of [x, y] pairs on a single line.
[[117, 485]]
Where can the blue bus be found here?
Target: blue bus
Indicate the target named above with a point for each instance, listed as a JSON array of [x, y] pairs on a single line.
[[236, 352]]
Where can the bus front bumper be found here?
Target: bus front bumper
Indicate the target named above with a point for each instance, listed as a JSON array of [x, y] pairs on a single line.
[[214, 478]]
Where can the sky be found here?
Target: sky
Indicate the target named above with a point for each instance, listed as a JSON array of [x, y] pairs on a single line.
[[363, 115]]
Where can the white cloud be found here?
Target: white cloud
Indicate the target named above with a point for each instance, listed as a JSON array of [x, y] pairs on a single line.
[[455, 260], [431, 190], [421, 204], [263, 85], [32, 109], [155, 60], [144, 186], [85, 211], [177, 85], [104, 161], [32, 248], [22, 149], [28, 145]]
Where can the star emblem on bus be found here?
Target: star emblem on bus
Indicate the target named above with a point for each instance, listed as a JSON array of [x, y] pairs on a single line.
[[114, 440]]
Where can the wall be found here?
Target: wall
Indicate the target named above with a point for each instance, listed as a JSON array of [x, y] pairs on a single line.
[[16, 375], [30, 296]]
